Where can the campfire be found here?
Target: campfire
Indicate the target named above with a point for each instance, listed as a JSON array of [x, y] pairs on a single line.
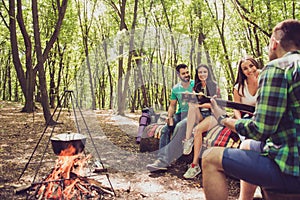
[[68, 180]]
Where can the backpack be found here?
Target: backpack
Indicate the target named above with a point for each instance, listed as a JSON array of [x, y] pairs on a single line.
[[144, 120]]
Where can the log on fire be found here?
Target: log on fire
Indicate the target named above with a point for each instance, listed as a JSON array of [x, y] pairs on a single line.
[[68, 181], [83, 187]]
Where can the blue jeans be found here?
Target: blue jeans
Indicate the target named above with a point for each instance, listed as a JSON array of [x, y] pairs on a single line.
[[174, 149], [257, 169], [167, 130]]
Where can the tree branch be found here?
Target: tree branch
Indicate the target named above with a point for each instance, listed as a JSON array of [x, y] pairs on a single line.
[[239, 6]]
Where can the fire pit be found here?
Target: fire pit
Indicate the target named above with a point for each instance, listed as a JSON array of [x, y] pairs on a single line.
[[68, 180]]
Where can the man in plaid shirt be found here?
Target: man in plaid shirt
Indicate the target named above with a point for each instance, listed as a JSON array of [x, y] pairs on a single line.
[[276, 123]]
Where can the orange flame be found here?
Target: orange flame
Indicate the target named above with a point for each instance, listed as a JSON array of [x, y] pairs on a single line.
[[71, 150], [61, 183]]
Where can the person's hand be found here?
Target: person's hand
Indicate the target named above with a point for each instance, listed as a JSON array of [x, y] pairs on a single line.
[[257, 73], [217, 111], [254, 75], [170, 121]]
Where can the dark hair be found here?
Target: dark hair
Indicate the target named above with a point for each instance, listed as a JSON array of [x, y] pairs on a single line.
[[180, 66], [211, 85], [241, 77], [288, 32]]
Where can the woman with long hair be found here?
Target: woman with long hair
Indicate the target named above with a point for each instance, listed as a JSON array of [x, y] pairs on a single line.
[[201, 116], [246, 84], [245, 91]]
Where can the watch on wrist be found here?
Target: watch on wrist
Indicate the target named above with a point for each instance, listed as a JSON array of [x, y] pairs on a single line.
[[221, 118]]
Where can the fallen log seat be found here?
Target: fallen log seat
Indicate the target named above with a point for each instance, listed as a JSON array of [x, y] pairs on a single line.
[[268, 195], [150, 138]]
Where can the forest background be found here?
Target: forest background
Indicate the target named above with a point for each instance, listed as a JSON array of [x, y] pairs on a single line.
[[121, 54]]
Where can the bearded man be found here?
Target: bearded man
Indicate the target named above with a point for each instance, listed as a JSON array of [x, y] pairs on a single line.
[[177, 111]]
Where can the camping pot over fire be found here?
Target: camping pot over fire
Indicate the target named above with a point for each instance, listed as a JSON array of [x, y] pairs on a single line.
[[64, 141]]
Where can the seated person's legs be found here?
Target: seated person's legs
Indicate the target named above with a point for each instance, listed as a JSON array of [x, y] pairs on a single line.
[[172, 151], [247, 190], [164, 136], [194, 117], [167, 130], [206, 124], [247, 165], [215, 187]]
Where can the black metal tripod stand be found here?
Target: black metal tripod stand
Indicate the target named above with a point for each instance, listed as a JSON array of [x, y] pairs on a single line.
[[67, 96]]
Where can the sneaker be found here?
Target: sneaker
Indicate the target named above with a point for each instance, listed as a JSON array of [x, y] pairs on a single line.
[[192, 172], [188, 146], [157, 165]]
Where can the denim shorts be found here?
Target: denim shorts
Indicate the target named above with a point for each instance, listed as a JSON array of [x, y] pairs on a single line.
[[252, 167], [205, 113]]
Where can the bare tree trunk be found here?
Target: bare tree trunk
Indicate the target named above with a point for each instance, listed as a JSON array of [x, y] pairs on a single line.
[[85, 25], [61, 63], [111, 86], [171, 31], [140, 82], [40, 65], [139, 63], [228, 70], [27, 82], [132, 51], [7, 95], [51, 65], [4, 82], [90, 76], [16, 93], [121, 98], [41, 58]]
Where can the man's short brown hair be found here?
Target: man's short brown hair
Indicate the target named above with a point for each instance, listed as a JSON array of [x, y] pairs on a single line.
[[288, 32]]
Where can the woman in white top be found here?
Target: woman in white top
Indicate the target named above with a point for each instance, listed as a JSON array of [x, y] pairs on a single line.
[[245, 91], [246, 84]]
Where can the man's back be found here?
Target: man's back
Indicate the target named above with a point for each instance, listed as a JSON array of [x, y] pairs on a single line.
[[282, 116]]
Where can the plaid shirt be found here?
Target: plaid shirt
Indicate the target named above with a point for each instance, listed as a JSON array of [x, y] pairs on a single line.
[[277, 115]]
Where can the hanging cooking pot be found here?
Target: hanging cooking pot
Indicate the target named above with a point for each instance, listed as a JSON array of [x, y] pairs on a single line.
[[64, 141]]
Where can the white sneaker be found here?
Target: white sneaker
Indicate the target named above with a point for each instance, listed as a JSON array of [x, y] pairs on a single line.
[[188, 146], [192, 172], [156, 166]]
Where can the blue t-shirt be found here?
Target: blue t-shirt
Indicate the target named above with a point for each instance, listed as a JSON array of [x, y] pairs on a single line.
[[176, 92]]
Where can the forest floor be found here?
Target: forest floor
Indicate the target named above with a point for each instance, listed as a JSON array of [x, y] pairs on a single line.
[[110, 141]]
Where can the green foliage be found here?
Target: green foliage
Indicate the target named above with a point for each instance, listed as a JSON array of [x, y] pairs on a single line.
[[246, 27]]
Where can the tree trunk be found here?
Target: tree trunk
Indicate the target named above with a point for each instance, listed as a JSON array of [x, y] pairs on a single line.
[[121, 98], [51, 65], [88, 64], [40, 66], [111, 86], [61, 53], [27, 82], [228, 70], [85, 25]]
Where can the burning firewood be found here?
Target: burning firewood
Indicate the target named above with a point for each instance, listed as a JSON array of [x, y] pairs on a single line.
[[68, 181]]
